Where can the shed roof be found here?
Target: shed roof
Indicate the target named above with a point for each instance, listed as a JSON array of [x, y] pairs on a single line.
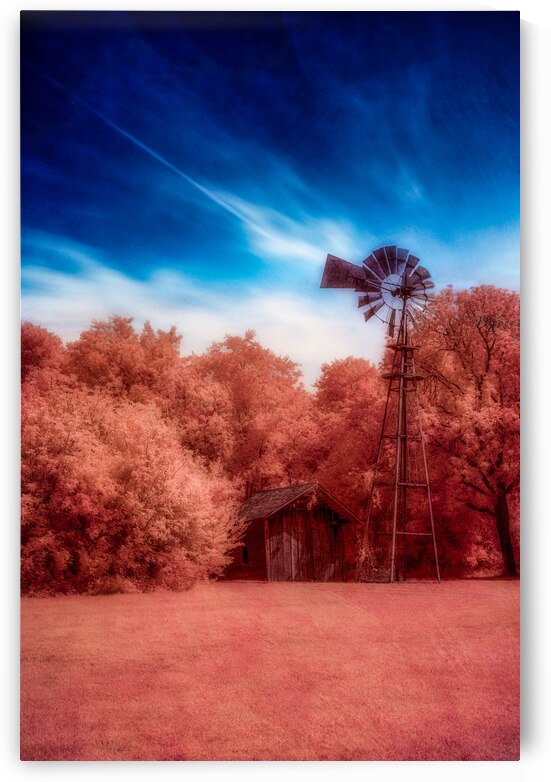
[[266, 503]]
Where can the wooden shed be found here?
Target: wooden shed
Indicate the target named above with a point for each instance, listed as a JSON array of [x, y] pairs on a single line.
[[293, 534]]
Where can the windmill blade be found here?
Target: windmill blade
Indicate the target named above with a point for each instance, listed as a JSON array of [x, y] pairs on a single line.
[[420, 301], [420, 298], [374, 267], [370, 286], [417, 306], [392, 321], [427, 299], [341, 274], [372, 275], [382, 260], [402, 254], [411, 263], [417, 316], [373, 310], [419, 291], [413, 318], [422, 289], [391, 255], [387, 259], [368, 299], [419, 276], [401, 259]]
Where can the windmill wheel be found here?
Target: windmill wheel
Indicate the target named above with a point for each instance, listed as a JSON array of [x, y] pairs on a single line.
[[394, 280]]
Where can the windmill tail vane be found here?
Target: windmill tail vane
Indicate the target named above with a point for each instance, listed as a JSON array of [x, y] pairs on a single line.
[[396, 290]]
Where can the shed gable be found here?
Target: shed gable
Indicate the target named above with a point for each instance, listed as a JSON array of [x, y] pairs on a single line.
[[265, 503]]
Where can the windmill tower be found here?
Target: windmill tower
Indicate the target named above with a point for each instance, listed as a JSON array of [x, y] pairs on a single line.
[[400, 522]]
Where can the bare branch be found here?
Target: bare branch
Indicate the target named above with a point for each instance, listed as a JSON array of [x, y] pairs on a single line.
[[479, 508], [476, 488]]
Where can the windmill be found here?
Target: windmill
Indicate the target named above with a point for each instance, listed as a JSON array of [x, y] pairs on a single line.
[[395, 289]]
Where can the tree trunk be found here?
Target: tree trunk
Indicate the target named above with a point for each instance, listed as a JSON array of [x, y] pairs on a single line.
[[501, 512]]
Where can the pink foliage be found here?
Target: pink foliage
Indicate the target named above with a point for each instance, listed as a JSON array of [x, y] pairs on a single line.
[[470, 351], [349, 403], [110, 497], [134, 459], [40, 349], [266, 410]]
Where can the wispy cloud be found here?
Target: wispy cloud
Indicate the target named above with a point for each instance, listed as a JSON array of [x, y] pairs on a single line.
[[272, 234], [290, 317], [311, 329]]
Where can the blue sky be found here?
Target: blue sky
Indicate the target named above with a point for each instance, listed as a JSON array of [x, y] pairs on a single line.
[[196, 168]]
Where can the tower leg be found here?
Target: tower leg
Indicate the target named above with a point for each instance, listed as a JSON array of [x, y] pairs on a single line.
[[406, 434], [401, 446], [368, 534], [426, 469]]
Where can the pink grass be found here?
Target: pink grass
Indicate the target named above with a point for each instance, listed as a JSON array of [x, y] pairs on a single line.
[[274, 671]]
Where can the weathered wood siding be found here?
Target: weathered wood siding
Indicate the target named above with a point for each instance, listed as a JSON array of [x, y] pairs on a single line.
[[298, 543], [305, 545], [255, 569]]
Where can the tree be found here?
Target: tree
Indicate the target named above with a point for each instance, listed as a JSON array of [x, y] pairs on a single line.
[[348, 406], [113, 356], [470, 353], [110, 499], [40, 349], [349, 403], [199, 408], [146, 367], [267, 410]]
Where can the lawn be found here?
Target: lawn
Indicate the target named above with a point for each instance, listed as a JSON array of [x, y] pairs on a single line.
[[259, 671]]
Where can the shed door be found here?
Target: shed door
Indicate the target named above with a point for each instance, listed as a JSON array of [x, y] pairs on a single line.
[[287, 550], [274, 548], [327, 551]]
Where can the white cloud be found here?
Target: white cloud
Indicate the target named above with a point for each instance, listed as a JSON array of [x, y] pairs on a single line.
[[273, 235], [309, 329], [288, 311]]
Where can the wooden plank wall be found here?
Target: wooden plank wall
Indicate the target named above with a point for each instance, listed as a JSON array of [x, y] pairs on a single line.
[[296, 544], [303, 545]]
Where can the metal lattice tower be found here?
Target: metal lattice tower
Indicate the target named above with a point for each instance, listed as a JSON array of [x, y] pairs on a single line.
[[399, 520]]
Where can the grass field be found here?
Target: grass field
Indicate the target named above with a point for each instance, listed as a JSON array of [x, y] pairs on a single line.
[[274, 671]]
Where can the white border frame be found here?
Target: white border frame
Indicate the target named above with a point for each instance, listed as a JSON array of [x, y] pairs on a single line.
[[535, 760]]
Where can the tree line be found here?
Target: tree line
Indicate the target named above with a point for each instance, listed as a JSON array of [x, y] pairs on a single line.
[[135, 458]]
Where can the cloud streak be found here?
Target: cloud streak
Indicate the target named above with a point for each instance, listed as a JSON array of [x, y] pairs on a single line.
[[271, 234]]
